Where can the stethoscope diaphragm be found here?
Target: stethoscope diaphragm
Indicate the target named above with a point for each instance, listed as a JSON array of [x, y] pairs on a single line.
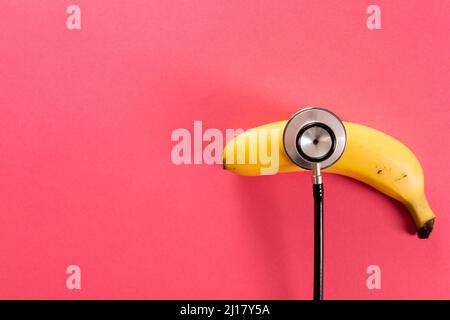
[[314, 135]]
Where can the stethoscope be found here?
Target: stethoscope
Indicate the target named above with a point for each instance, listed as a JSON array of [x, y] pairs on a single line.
[[314, 139]]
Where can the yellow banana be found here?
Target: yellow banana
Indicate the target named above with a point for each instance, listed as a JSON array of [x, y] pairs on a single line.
[[370, 156]]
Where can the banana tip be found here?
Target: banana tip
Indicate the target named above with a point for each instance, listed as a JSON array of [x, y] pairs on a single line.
[[425, 230]]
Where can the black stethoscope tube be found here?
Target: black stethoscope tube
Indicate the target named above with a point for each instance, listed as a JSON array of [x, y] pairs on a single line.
[[318, 241]]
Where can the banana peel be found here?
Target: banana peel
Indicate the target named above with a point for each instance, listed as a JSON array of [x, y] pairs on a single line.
[[370, 156]]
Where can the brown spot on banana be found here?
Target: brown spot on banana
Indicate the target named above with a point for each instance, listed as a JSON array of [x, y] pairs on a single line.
[[403, 176]]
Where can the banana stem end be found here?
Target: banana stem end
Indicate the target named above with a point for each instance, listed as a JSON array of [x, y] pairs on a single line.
[[425, 230]]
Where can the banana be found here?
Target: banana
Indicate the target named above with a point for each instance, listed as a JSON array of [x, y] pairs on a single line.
[[370, 156]]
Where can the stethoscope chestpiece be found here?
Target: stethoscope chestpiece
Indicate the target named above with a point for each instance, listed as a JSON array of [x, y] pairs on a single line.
[[314, 136]]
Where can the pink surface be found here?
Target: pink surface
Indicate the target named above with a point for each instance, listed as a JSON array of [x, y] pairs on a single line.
[[86, 176]]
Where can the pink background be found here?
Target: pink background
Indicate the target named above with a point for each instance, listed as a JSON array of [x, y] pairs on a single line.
[[85, 171]]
